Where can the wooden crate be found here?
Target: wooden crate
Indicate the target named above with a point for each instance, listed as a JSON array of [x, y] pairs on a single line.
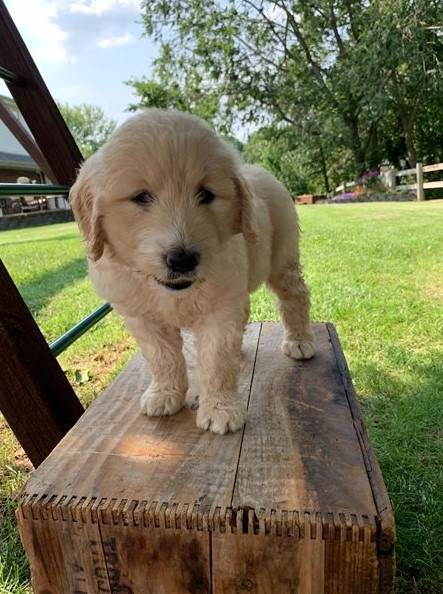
[[295, 503]]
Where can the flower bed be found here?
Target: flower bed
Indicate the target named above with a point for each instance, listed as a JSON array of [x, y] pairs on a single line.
[[370, 188], [351, 197]]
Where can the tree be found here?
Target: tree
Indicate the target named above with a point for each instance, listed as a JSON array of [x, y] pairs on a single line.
[[406, 36], [334, 71], [301, 167], [88, 125], [167, 94]]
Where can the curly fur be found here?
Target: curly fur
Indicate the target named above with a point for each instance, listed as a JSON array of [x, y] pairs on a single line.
[[246, 235]]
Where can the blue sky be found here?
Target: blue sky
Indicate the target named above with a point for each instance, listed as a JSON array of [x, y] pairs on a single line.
[[85, 49]]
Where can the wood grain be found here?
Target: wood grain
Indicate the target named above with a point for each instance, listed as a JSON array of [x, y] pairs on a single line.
[[294, 503], [36, 399]]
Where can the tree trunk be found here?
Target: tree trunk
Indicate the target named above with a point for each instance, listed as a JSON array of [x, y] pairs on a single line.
[[409, 139], [351, 122], [324, 170]]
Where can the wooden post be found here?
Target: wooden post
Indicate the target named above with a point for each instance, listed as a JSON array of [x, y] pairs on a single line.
[[420, 189], [36, 399], [391, 179]]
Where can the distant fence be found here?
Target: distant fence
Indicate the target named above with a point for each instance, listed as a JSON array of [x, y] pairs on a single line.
[[420, 185], [345, 187], [389, 178]]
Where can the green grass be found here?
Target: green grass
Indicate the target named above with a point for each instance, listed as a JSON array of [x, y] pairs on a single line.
[[14, 571], [375, 271]]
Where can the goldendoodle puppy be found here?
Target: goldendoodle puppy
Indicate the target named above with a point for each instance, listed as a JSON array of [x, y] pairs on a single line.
[[178, 232]]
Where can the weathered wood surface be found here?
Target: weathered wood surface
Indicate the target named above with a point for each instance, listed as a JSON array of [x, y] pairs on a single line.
[[36, 399], [294, 503]]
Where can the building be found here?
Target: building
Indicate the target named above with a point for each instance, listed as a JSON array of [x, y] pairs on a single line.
[[17, 166], [14, 160]]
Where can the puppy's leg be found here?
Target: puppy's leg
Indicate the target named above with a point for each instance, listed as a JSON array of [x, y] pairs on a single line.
[[161, 346], [218, 354], [294, 303]]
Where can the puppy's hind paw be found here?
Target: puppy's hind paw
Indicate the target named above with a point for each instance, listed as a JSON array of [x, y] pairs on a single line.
[[299, 349], [161, 403], [220, 416]]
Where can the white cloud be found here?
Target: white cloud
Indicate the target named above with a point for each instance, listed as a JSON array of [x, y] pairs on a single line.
[[100, 7], [44, 37], [116, 41], [61, 31]]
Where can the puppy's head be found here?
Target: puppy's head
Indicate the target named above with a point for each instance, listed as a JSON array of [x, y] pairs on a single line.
[[162, 196]]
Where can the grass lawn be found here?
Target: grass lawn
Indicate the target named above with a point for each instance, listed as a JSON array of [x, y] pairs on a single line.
[[375, 271]]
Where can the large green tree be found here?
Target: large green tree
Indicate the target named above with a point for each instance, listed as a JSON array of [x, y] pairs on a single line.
[[88, 124], [349, 73]]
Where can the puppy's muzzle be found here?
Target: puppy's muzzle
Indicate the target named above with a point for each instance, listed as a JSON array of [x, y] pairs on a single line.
[[181, 265]]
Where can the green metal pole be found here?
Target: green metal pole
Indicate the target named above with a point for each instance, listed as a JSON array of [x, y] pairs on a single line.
[[62, 343], [32, 190]]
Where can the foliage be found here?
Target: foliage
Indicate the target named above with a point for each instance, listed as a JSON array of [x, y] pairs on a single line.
[[88, 124], [352, 82], [170, 96], [275, 150]]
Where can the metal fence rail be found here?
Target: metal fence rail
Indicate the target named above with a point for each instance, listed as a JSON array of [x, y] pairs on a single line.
[[10, 190], [62, 343]]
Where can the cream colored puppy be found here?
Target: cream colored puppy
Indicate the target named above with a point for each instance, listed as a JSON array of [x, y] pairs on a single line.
[[178, 232]]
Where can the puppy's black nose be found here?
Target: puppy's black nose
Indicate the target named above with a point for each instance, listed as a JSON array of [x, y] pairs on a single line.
[[182, 260]]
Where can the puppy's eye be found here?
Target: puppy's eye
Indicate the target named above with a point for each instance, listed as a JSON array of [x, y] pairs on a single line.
[[205, 196], [142, 197]]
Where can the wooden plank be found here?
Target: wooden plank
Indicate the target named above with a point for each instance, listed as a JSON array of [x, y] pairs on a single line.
[[407, 187], [436, 167], [36, 399], [386, 533], [77, 548], [302, 478], [36, 104], [300, 449], [407, 172], [155, 455], [433, 184], [180, 480], [247, 561], [174, 560]]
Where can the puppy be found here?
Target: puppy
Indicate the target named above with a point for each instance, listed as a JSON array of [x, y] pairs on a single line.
[[178, 233]]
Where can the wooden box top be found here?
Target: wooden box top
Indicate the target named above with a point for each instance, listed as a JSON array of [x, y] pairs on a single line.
[[302, 462]]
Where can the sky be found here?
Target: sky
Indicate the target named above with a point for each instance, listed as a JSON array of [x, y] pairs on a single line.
[[86, 49]]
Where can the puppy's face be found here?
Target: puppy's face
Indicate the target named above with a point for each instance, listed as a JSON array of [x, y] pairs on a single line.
[[162, 197]]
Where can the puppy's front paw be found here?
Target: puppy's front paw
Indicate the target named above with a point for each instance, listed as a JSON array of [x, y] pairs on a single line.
[[222, 415], [161, 403], [299, 349]]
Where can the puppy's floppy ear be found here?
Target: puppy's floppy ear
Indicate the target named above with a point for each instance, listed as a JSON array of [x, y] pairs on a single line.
[[248, 225], [84, 207]]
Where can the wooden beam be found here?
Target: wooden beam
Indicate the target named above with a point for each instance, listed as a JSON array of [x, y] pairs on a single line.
[[36, 399], [25, 139], [36, 104]]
